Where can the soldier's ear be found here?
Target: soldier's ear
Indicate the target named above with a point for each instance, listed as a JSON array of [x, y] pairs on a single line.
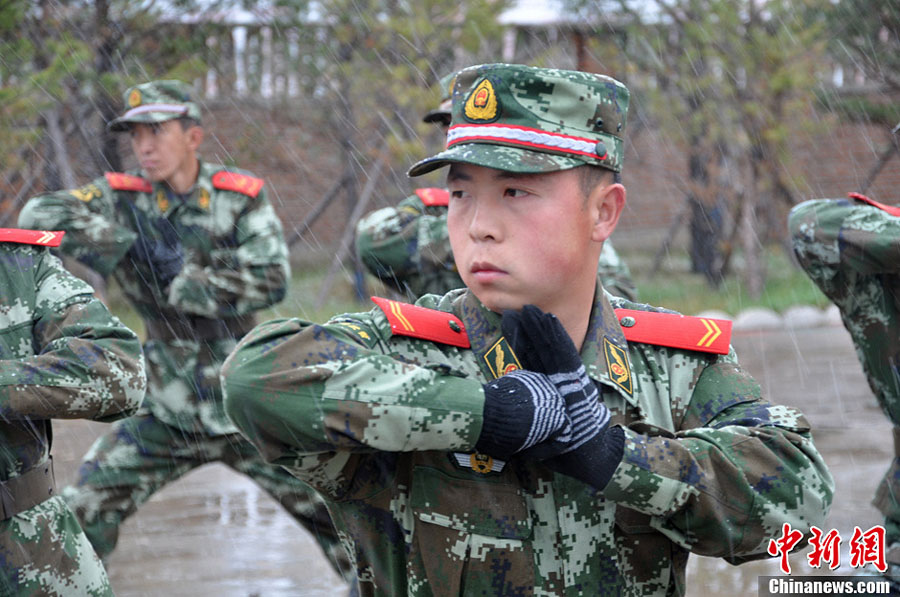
[[605, 205], [195, 137]]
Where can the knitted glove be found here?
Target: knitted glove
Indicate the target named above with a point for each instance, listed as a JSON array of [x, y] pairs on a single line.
[[521, 409], [593, 450]]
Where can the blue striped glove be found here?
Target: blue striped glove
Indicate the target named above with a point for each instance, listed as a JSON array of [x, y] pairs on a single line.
[[592, 450], [521, 410]]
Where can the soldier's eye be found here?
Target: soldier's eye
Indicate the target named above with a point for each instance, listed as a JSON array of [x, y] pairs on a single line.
[[515, 193]]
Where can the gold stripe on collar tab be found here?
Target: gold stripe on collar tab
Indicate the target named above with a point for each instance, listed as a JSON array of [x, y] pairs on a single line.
[[617, 365], [501, 359]]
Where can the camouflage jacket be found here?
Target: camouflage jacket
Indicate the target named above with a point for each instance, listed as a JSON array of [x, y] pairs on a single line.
[[62, 356], [851, 250], [384, 425], [408, 247], [235, 263]]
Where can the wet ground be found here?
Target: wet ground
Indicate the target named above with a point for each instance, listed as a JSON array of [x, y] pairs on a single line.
[[214, 533]]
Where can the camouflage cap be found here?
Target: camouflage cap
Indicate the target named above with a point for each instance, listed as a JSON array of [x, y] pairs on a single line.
[[156, 101], [531, 120], [442, 112]]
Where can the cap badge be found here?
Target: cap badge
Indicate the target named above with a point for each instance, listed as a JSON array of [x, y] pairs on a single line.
[[134, 98], [482, 103]]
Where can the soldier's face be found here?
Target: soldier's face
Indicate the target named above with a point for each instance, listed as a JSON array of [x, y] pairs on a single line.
[[163, 149], [522, 239]]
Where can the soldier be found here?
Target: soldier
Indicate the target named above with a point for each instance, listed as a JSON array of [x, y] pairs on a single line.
[[849, 248], [62, 356], [197, 248], [408, 246], [529, 434]]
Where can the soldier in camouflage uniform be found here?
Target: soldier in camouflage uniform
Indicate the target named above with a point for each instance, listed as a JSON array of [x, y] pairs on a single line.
[[851, 249], [475, 444], [62, 356], [407, 246], [197, 248]]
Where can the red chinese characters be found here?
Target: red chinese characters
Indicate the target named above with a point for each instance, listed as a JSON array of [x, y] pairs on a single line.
[[866, 547], [824, 546], [784, 545]]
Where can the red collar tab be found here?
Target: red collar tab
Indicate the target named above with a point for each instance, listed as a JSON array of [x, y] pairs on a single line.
[[434, 197], [239, 183], [44, 238], [120, 181], [422, 323], [702, 334], [894, 211]]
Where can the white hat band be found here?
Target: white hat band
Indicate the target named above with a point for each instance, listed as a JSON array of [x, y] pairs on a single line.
[[173, 108], [519, 135]]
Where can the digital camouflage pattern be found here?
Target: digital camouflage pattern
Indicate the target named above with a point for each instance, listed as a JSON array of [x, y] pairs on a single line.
[[235, 263], [408, 247], [384, 426], [62, 356], [156, 101], [530, 120], [852, 252]]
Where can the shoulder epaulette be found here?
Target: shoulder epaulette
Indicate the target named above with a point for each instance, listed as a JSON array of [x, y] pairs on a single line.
[[119, 181], [676, 331], [239, 183], [894, 211], [434, 197], [44, 238], [422, 323]]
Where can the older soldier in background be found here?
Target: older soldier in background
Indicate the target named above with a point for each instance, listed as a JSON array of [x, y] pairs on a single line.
[[408, 246], [529, 434], [197, 248], [851, 249], [62, 356]]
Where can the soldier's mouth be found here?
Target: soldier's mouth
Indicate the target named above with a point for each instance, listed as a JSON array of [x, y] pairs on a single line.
[[486, 272]]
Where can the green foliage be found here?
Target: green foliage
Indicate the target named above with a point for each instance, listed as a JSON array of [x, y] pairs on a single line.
[[859, 109]]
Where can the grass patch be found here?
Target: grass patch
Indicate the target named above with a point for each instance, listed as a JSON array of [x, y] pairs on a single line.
[[301, 300], [676, 287]]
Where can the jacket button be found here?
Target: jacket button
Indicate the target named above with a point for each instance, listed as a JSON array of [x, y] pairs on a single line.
[[627, 321]]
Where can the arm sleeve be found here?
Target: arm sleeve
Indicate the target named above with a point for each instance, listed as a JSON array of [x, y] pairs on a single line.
[[248, 277], [318, 399], [836, 240], [851, 251], [407, 244], [94, 236], [86, 363], [738, 469]]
